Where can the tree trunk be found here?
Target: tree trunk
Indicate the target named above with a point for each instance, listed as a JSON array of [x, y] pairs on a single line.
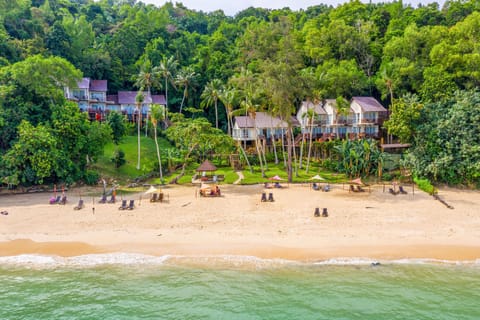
[[309, 147], [138, 137], [289, 156], [301, 151], [216, 114], [274, 149], [246, 158], [292, 141], [158, 154]]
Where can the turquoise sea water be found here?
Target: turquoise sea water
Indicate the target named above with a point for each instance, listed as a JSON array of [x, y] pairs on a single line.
[[140, 287]]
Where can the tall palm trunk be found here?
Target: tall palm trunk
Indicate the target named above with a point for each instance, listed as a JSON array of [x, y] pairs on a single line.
[[274, 148], [246, 158], [138, 137], [216, 114], [310, 145], [301, 150], [158, 153], [292, 141], [289, 156]]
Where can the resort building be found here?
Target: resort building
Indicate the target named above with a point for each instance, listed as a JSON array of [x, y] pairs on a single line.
[[263, 127], [363, 118], [91, 96]]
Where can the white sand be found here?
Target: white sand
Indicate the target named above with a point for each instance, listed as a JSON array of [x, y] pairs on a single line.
[[373, 224]]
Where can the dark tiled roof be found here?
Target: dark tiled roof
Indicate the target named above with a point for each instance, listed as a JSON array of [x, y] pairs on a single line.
[[98, 85], [369, 104], [128, 97], [84, 83], [318, 108], [262, 120], [159, 99]]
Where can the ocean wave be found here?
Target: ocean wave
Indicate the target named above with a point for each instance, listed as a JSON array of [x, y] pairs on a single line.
[[120, 258]]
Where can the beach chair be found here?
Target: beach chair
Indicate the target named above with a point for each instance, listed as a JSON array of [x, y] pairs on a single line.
[[325, 212], [264, 197], [315, 187], [154, 197], [4, 213], [63, 200], [360, 189], [268, 185], [392, 191], [161, 196], [55, 200], [277, 185], [131, 205], [123, 206], [326, 188], [402, 191], [112, 199], [80, 205], [316, 213], [103, 199], [352, 188], [270, 197]]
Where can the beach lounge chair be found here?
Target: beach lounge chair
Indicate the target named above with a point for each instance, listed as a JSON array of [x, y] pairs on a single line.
[[270, 197], [315, 187], [316, 213], [63, 200], [264, 197], [392, 191], [325, 212], [154, 197], [326, 188], [131, 205], [268, 185], [80, 205], [277, 185], [352, 188], [360, 189], [123, 206], [402, 191], [112, 199], [4, 213], [103, 199], [161, 196], [54, 200]]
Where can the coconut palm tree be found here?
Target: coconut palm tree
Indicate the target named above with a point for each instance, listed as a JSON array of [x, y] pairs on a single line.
[[167, 68], [228, 97], [148, 78], [184, 79], [138, 102], [311, 115], [157, 115], [211, 95]]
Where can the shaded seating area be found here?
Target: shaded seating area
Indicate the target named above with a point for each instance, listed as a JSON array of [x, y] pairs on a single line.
[[356, 185], [80, 205]]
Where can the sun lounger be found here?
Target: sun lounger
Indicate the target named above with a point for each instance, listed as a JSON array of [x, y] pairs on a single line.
[[264, 197], [54, 200], [315, 187], [316, 213], [270, 197], [161, 197], [63, 200], [131, 205], [352, 188], [103, 199], [154, 197], [392, 191], [278, 185], [4, 213], [112, 199], [324, 212], [80, 205], [123, 206], [326, 188], [360, 189], [402, 191]]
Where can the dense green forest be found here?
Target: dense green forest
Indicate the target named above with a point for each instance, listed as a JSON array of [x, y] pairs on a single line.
[[423, 64]]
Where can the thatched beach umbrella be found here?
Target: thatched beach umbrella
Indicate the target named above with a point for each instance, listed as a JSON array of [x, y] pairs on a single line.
[[206, 166]]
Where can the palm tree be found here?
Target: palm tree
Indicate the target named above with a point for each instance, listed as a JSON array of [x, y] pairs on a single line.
[[148, 78], [210, 96], [311, 115], [167, 68], [157, 115], [184, 79], [228, 97], [138, 101]]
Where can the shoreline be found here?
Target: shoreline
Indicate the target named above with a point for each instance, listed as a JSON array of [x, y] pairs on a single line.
[[447, 253], [371, 225]]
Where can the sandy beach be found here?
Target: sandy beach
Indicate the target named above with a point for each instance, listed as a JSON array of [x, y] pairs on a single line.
[[371, 224]]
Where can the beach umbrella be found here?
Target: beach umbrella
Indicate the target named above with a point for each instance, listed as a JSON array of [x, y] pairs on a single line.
[[276, 178], [357, 181], [317, 177], [206, 166], [152, 189]]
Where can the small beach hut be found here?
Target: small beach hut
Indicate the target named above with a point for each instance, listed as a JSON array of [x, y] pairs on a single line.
[[205, 167]]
